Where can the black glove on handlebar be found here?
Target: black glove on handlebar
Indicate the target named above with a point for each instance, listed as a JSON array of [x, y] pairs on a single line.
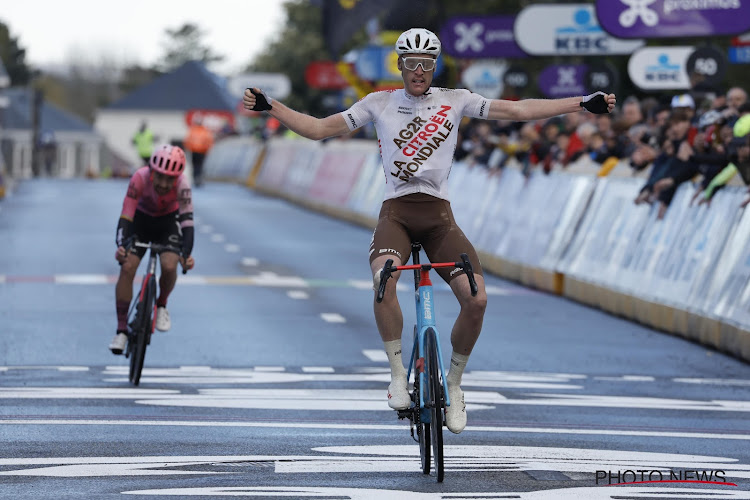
[[596, 103], [262, 101]]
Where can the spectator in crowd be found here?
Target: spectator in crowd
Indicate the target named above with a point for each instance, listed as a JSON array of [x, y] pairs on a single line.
[[143, 140], [670, 160], [738, 156], [48, 151], [711, 147], [631, 112], [480, 144], [736, 98], [198, 142]]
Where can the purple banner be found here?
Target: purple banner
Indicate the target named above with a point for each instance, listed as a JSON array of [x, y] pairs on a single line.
[[673, 18], [563, 80], [471, 37]]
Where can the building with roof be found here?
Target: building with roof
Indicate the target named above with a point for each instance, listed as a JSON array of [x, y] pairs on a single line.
[[73, 147], [167, 105]]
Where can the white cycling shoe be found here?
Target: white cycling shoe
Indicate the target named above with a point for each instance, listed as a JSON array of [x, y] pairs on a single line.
[[398, 394], [455, 414], [118, 344], [163, 323]]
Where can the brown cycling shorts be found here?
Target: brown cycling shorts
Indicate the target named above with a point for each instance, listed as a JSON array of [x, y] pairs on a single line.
[[427, 220]]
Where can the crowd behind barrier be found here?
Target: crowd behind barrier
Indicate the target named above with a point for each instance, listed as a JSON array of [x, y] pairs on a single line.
[[575, 234]]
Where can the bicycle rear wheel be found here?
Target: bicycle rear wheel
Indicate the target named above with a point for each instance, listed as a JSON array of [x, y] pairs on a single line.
[[436, 401], [142, 330]]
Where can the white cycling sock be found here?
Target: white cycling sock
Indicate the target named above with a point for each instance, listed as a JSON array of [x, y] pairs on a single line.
[[393, 351], [456, 371]]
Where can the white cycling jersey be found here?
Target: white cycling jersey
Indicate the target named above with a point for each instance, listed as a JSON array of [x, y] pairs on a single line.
[[417, 135]]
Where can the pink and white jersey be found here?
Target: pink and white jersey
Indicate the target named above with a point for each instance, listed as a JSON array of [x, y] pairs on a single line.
[[141, 195], [417, 135]]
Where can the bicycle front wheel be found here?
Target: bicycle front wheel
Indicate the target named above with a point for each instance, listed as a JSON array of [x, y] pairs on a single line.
[[436, 402], [142, 330], [423, 426]]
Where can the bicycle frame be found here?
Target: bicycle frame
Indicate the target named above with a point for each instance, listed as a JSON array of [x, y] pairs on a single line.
[[150, 271], [425, 308]]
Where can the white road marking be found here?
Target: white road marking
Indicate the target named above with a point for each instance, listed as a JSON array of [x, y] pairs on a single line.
[[297, 294], [713, 381], [81, 279], [297, 399], [217, 238], [83, 393], [328, 399], [249, 261], [206, 229], [631, 402], [191, 279], [627, 378], [361, 284], [2, 278], [496, 290], [589, 493], [317, 369], [70, 368], [376, 355], [370, 427], [273, 279], [232, 248], [384, 459], [333, 317]]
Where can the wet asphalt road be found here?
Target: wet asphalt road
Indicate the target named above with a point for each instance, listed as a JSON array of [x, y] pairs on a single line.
[[272, 381]]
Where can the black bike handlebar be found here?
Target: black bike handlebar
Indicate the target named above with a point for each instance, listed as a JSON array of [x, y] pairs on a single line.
[[157, 248], [389, 268], [385, 275], [470, 274]]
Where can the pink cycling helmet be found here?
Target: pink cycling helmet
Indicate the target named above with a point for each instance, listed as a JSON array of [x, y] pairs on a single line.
[[168, 160]]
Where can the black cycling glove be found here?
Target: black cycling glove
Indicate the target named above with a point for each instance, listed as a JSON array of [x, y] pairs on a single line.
[[596, 103], [262, 101]]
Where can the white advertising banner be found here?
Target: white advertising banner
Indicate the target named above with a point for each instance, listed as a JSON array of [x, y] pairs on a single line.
[[566, 30], [660, 68]]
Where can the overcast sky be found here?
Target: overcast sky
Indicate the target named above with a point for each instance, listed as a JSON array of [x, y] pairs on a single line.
[[133, 31]]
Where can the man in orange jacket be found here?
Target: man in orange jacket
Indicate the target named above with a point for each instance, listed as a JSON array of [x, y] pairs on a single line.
[[199, 141]]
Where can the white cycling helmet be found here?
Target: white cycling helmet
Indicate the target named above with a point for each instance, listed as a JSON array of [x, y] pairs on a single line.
[[418, 41]]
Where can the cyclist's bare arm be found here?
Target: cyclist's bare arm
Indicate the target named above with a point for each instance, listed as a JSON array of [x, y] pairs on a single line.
[[300, 123], [538, 109], [309, 126]]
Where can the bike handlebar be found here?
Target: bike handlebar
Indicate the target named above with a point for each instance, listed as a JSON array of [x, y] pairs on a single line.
[[158, 248], [389, 268]]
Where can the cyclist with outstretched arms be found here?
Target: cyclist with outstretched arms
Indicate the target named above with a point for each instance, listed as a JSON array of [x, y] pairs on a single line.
[[417, 132], [158, 208]]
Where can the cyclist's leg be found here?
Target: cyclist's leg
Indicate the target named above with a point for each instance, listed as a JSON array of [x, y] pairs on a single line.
[[446, 244], [123, 296], [168, 278], [169, 233], [390, 241]]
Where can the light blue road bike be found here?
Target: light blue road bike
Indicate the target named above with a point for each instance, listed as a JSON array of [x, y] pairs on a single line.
[[430, 390]]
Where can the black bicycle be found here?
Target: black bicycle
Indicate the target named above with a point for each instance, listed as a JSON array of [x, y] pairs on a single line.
[[143, 309], [430, 390]]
